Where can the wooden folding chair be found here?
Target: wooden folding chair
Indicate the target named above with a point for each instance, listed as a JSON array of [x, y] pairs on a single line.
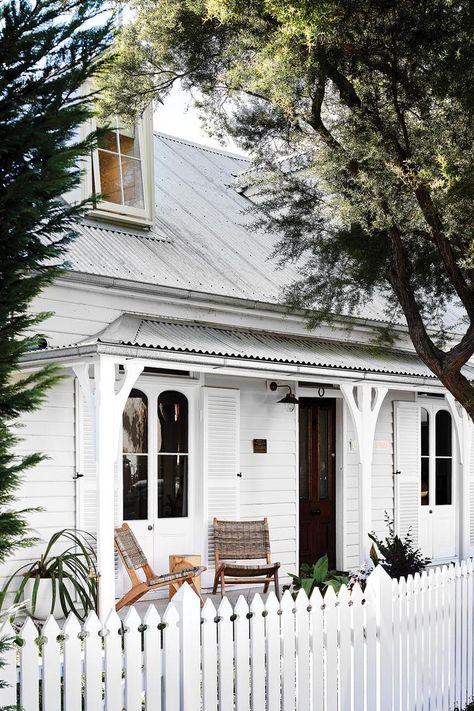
[[239, 541], [134, 558]]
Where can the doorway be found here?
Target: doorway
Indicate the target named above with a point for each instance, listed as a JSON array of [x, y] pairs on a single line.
[[317, 480]]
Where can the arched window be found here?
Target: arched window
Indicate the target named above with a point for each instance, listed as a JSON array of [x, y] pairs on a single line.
[[172, 455], [425, 457], [443, 458], [135, 457]]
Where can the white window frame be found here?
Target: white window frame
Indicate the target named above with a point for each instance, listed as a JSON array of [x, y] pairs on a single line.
[[433, 407], [125, 214]]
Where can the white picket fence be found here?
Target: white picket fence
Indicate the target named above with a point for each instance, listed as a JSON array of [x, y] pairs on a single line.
[[401, 646]]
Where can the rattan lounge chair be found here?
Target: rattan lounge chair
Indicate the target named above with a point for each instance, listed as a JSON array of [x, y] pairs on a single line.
[[236, 541], [134, 558]]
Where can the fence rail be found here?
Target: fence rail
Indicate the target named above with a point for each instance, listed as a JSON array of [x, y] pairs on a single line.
[[406, 646]]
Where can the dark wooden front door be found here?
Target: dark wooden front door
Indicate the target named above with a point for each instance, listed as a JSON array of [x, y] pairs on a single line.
[[317, 480]]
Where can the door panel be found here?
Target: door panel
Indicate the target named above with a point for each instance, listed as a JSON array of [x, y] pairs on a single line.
[[317, 480]]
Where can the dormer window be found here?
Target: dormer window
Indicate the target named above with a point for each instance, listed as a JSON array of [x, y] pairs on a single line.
[[122, 172]]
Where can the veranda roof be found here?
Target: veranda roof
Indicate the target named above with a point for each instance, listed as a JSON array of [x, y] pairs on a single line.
[[253, 345]]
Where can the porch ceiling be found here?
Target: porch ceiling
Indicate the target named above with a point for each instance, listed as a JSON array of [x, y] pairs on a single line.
[[246, 344]]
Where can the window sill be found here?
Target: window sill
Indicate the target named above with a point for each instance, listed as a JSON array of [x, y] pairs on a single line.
[[119, 218]]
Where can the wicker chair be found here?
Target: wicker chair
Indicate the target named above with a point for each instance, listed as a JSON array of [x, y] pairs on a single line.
[[134, 558], [236, 541]]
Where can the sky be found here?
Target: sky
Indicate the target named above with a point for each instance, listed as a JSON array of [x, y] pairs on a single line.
[[178, 117]]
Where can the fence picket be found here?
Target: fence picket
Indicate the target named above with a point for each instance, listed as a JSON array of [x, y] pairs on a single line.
[[469, 626], [29, 696], [187, 603], [452, 635], [437, 639], [345, 650], [152, 659], [411, 644], [302, 650], [209, 656], [225, 652], [257, 653], [331, 628], [242, 652], [357, 613], [418, 659], [9, 675], [171, 696], [402, 694], [272, 633], [288, 672], [317, 650], [51, 677], [371, 646], [93, 663], [464, 624], [113, 662], [72, 664], [396, 605], [132, 661]]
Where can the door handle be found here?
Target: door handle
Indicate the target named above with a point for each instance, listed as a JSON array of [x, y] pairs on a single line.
[[315, 512], [430, 511], [150, 527]]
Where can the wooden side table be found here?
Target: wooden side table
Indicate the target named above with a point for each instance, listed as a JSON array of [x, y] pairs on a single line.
[[181, 562]]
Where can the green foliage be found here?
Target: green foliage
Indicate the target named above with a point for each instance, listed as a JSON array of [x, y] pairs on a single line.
[[359, 114], [73, 574], [318, 576], [48, 49], [399, 557]]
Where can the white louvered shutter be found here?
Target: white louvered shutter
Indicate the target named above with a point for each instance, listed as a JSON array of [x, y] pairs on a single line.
[[221, 411], [471, 496], [87, 482], [407, 469]]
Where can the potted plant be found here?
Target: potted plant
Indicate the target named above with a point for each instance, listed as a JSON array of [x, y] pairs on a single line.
[[318, 576], [59, 583], [399, 556]]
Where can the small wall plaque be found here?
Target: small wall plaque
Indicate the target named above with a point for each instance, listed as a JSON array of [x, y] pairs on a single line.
[[260, 446]]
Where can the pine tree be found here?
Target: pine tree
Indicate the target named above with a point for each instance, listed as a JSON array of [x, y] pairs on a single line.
[[48, 50]]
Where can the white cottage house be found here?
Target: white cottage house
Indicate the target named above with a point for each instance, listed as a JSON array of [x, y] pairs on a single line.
[[172, 334]]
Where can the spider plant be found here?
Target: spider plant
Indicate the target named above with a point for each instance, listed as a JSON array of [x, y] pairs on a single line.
[[72, 572]]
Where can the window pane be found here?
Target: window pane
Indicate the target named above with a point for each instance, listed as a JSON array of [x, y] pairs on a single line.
[[108, 141], [425, 433], [110, 177], [323, 454], [172, 486], [443, 482], [132, 182], [443, 434], [135, 487], [425, 481], [135, 423], [129, 145], [303, 450], [172, 422]]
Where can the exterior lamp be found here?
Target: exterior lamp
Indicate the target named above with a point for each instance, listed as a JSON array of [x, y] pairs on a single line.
[[289, 400]]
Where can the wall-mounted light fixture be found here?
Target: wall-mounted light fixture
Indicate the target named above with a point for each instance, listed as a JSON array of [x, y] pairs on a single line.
[[289, 400]]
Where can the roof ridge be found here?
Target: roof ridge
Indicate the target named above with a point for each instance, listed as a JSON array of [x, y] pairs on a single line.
[[201, 146]]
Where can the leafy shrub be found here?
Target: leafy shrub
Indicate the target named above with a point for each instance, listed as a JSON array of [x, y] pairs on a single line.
[[318, 576], [398, 556]]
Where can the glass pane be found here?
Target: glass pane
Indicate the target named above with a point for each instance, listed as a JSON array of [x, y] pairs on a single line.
[[443, 482], [108, 141], [135, 423], [425, 433], [172, 486], [425, 481], [132, 182], [323, 454], [303, 452], [172, 422], [110, 177], [129, 145], [443, 434], [135, 487]]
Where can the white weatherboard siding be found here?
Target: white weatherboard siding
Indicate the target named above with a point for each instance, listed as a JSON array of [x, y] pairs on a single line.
[[268, 482], [51, 484]]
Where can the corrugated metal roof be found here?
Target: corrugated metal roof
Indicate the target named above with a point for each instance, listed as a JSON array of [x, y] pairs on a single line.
[[202, 239], [262, 346]]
